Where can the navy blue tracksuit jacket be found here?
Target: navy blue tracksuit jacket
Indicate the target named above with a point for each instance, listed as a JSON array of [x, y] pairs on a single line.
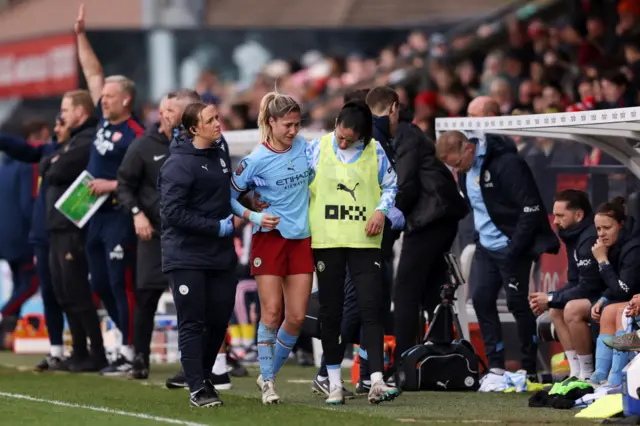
[[622, 275], [194, 196], [514, 205], [583, 277], [18, 190], [20, 150]]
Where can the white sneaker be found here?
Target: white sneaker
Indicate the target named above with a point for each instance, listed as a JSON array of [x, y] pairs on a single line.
[[493, 381], [260, 382], [381, 392], [269, 395], [335, 396]]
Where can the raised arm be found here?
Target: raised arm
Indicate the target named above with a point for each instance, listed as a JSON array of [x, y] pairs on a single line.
[[91, 67], [20, 150]]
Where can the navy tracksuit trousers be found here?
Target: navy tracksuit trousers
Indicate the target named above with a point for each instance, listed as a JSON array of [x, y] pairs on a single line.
[[204, 302], [111, 257], [25, 285], [491, 272]]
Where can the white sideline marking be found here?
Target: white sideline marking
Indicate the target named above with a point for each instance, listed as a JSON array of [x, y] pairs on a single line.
[[100, 409], [300, 381]]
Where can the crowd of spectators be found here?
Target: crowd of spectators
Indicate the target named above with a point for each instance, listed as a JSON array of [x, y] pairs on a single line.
[[585, 58]]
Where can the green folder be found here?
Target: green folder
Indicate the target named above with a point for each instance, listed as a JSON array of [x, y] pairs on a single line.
[[77, 203]]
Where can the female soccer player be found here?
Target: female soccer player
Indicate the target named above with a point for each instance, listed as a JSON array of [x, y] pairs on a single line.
[[197, 245], [353, 187], [616, 251], [281, 257]]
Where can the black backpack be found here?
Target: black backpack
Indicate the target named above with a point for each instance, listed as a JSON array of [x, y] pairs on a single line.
[[440, 367]]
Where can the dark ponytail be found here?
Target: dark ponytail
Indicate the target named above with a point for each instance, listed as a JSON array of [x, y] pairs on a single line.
[[356, 115], [615, 209]]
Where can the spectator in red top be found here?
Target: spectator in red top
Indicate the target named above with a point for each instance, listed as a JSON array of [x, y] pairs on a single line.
[[426, 111], [586, 94]]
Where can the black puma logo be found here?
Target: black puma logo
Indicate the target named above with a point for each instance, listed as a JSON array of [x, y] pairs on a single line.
[[341, 187]]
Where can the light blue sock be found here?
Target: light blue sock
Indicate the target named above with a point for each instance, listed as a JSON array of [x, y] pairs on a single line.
[[284, 343], [620, 360], [364, 366], [266, 341], [604, 358]]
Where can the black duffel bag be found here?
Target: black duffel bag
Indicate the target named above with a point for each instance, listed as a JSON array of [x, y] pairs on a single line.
[[440, 367]]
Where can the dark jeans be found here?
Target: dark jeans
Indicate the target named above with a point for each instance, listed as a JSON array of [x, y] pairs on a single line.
[[421, 273], [52, 310], [492, 271], [151, 283], [70, 281], [144, 320], [204, 302], [364, 266]]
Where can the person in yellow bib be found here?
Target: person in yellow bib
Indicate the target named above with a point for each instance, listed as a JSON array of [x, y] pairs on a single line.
[[353, 189]]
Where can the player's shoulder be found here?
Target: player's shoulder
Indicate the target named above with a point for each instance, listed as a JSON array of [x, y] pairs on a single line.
[[379, 148], [258, 153], [135, 127]]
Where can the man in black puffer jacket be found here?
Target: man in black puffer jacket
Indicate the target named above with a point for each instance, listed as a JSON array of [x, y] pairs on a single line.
[[67, 259], [513, 230], [431, 203], [570, 306]]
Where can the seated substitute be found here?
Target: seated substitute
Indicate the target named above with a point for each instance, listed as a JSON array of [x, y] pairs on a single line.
[[570, 306], [617, 252]]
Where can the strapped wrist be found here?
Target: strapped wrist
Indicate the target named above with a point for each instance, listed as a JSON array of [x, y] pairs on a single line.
[[256, 218]]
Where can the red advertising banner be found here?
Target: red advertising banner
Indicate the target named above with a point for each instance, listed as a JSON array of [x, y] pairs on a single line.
[[38, 68]]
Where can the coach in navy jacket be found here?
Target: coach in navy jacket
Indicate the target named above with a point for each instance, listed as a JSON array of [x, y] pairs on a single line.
[[198, 251], [513, 200], [513, 229], [191, 207]]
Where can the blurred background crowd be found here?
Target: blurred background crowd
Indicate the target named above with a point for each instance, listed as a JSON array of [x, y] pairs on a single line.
[[532, 57]]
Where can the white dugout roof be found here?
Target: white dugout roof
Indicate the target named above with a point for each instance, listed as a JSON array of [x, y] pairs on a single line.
[[614, 131]]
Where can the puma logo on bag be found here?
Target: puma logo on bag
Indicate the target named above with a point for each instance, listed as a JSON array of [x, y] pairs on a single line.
[[444, 385], [342, 187]]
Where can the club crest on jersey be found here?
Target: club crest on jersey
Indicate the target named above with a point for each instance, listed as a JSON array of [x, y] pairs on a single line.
[[101, 143], [241, 167], [116, 137]]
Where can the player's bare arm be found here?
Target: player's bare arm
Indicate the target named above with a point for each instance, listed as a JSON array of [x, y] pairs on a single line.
[[91, 67]]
